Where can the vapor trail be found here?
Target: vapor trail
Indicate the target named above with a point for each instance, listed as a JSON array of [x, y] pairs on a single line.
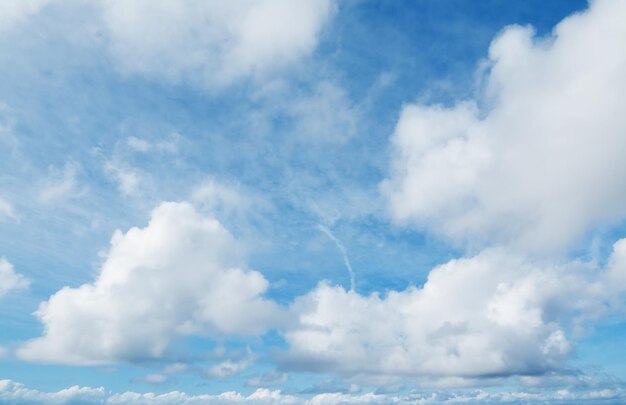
[[343, 251]]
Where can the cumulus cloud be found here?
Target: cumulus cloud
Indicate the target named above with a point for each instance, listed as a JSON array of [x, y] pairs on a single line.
[[9, 279], [538, 159], [181, 274], [492, 315], [212, 42]]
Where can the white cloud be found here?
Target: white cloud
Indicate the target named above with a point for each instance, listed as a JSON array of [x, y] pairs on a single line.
[[492, 315], [6, 209], [165, 145], [128, 179], [61, 184], [214, 195], [545, 163], [212, 42], [9, 279], [229, 368], [16, 393], [181, 274]]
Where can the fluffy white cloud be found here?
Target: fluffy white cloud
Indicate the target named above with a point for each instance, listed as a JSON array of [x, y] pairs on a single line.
[[212, 42], [9, 279], [181, 274], [492, 315], [545, 162]]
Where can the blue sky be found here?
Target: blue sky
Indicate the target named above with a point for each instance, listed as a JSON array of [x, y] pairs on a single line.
[[318, 200]]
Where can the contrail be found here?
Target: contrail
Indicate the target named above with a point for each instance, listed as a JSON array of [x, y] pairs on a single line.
[[343, 251]]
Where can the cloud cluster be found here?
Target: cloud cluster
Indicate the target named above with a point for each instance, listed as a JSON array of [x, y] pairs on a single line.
[[496, 314], [17, 393], [9, 279], [181, 274], [538, 159]]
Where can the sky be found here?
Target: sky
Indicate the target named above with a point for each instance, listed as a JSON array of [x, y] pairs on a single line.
[[312, 201]]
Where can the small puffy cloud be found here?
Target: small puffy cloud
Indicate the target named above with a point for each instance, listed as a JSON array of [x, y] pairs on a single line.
[[492, 315], [212, 42], [215, 195], [142, 145], [6, 209], [228, 368], [181, 274], [128, 179], [9, 279], [544, 163], [61, 184]]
